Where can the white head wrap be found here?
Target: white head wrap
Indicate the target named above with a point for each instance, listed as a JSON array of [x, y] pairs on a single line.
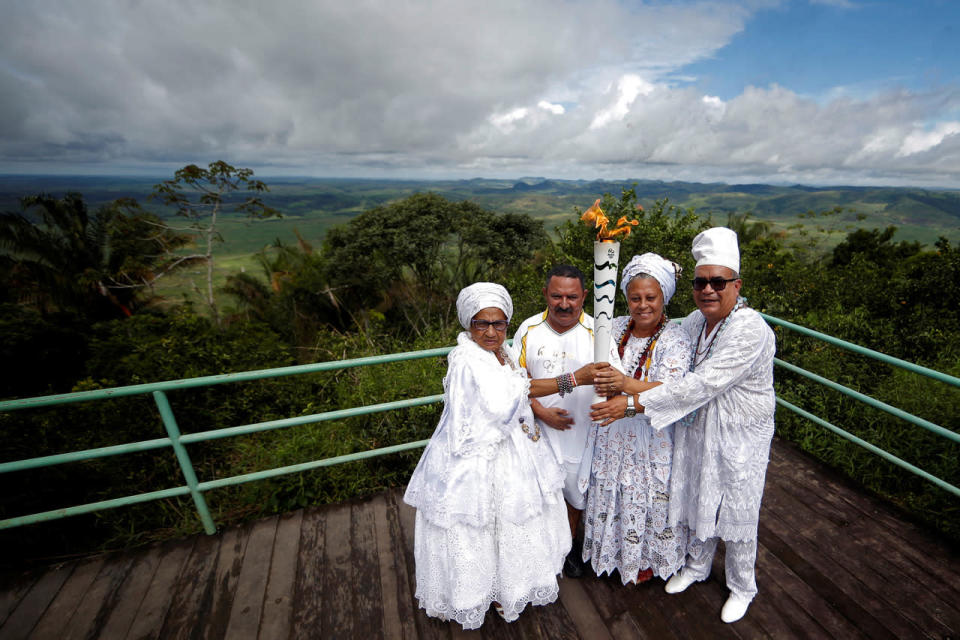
[[481, 295], [664, 271], [717, 246]]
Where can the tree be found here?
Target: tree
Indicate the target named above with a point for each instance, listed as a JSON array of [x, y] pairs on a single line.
[[293, 297], [202, 195], [748, 231], [411, 257], [875, 246], [68, 260]]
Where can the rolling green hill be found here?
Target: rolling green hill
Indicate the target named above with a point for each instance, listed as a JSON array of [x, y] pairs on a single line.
[[312, 205]]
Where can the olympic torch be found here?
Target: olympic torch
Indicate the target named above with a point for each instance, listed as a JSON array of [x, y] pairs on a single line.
[[606, 257]]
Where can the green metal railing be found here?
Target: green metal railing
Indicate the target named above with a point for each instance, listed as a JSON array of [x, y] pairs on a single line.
[[176, 440], [196, 488], [872, 402]]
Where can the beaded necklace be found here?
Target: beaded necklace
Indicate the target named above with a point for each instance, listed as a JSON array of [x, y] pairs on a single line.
[[535, 434], [708, 348], [507, 360], [648, 350]]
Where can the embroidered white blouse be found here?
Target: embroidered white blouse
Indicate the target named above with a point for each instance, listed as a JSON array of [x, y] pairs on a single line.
[[484, 404], [721, 452]]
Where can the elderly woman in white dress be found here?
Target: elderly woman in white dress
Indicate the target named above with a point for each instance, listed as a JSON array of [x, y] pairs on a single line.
[[628, 476], [491, 524]]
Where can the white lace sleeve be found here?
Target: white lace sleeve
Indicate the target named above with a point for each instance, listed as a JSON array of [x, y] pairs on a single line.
[[483, 402], [734, 355]]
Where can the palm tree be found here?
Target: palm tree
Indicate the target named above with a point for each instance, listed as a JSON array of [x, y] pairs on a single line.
[[95, 265], [293, 295], [748, 231]]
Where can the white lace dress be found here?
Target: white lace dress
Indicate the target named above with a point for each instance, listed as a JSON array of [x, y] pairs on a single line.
[[491, 523], [628, 478]]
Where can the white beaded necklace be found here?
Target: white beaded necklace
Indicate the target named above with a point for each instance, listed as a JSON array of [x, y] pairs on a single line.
[[695, 359]]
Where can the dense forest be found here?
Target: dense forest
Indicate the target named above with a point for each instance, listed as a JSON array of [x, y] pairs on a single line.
[[80, 310]]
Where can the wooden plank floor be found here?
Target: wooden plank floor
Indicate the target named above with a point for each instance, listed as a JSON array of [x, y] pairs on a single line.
[[833, 563]]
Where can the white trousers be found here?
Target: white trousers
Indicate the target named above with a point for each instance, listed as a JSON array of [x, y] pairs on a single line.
[[740, 563]]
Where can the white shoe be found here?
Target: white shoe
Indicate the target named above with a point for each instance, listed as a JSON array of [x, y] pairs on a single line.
[[734, 608], [678, 582]]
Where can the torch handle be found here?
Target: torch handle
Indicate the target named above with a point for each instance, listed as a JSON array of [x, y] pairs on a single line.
[[606, 256]]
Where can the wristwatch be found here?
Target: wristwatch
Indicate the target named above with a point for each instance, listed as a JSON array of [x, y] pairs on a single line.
[[631, 410]]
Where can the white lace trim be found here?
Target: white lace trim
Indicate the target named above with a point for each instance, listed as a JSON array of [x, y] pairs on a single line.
[[491, 523]]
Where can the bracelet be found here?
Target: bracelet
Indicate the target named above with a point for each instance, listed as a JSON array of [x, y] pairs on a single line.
[[565, 383]]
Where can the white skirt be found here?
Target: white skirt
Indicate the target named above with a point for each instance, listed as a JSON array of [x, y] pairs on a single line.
[[462, 569]]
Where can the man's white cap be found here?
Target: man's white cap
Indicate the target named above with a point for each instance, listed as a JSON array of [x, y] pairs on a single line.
[[717, 246]]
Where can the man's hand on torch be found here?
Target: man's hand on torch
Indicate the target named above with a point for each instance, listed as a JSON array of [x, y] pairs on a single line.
[[588, 372]]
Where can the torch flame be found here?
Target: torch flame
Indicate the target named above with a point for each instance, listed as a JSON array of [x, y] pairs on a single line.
[[600, 221]]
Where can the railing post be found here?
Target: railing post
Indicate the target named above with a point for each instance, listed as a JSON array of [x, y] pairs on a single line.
[[170, 423]]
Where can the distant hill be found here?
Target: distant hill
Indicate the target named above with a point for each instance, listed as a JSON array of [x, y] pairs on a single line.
[[314, 204]]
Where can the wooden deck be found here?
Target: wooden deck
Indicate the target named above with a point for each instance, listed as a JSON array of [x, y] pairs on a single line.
[[833, 563]]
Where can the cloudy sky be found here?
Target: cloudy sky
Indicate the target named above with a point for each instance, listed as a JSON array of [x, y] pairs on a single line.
[[777, 91]]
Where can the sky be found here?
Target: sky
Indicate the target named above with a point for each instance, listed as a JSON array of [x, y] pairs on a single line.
[[817, 92]]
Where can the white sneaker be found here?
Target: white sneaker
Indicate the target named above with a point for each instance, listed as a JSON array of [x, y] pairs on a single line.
[[734, 608], [678, 582]]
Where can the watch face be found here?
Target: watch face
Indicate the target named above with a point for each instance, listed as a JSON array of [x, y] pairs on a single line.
[[629, 412]]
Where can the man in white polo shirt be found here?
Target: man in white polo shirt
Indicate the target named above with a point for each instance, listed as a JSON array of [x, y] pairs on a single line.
[[560, 340]]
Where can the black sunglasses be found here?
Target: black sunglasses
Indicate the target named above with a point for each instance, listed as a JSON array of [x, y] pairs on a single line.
[[717, 283]]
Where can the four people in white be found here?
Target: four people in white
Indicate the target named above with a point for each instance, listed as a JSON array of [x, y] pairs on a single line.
[[674, 463]]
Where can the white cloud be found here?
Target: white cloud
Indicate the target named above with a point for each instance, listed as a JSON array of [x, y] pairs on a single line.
[[578, 88], [714, 106], [840, 4], [180, 79], [555, 109], [920, 141], [628, 88], [504, 121]]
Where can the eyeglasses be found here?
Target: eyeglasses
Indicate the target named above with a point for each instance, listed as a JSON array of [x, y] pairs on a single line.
[[717, 284], [481, 325]]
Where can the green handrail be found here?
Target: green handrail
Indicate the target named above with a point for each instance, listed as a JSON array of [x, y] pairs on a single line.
[[886, 455], [863, 351], [175, 440], [196, 489], [864, 398], [146, 445], [206, 381]]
